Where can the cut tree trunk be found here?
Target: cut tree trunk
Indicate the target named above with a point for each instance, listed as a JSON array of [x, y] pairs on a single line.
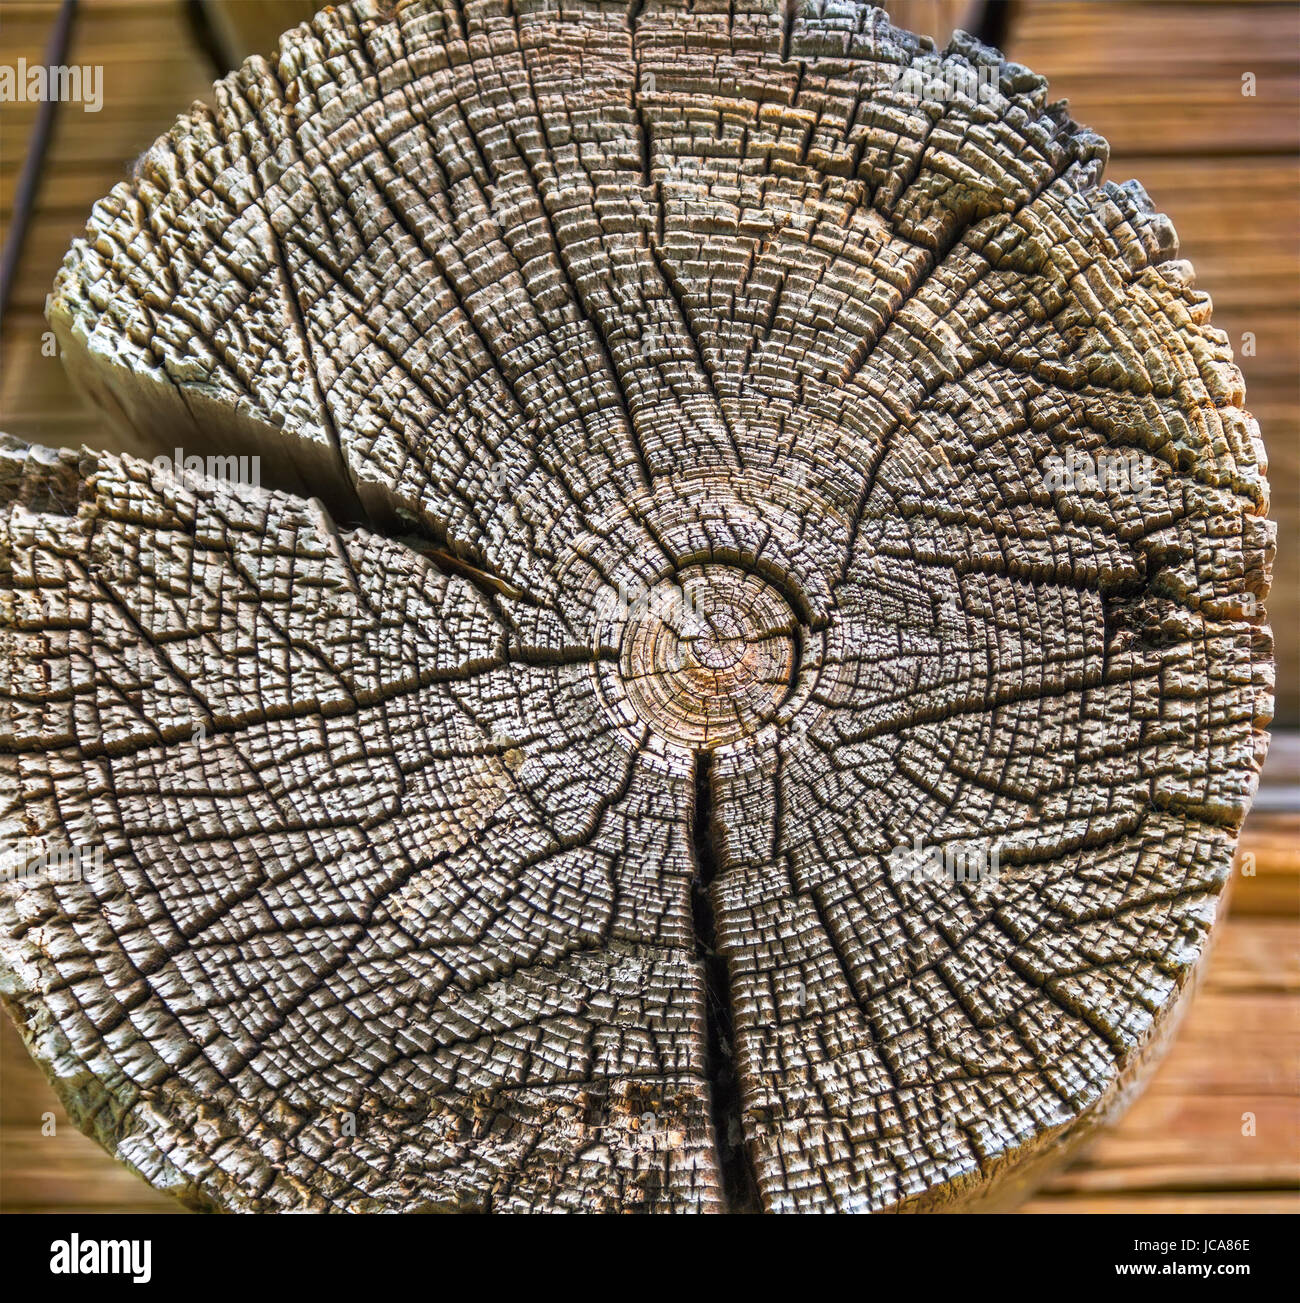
[[741, 675]]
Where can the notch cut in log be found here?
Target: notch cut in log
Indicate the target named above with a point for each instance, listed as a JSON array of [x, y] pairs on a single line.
[[688, 516]]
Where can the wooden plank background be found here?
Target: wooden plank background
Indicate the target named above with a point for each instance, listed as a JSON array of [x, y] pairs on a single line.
[[1162, 81]]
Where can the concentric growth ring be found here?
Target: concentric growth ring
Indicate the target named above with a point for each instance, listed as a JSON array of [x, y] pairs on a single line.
[[707, 658]]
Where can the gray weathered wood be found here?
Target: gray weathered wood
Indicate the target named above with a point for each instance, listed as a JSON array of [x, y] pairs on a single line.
[[498, 807]]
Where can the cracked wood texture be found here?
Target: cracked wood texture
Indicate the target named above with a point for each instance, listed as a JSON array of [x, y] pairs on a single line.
[[496, 807]]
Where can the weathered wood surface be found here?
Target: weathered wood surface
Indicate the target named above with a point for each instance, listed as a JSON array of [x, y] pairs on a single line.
[[1182, 1147], [1250, 265], [246, 27], [1163, 83], [571, 910]]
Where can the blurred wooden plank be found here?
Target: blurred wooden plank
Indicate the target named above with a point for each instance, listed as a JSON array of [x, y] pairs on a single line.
[[1185, 1146], [47, 1173], [35, 394], [254, 28], [152, 72], [38, 402], [1234, 1043], [1270, 882], [1280, 781], [1188, 1142], [936, 18], [47, 241], [69, 1171], [1260, 956], [1246, 261], [1167, 78], [1266, 880], [1282, 1201]]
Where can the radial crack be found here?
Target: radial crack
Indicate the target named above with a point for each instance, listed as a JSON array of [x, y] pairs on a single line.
[[735, 1168]]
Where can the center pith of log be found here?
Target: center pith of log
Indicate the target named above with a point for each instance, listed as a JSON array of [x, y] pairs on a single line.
[[708, 660]]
